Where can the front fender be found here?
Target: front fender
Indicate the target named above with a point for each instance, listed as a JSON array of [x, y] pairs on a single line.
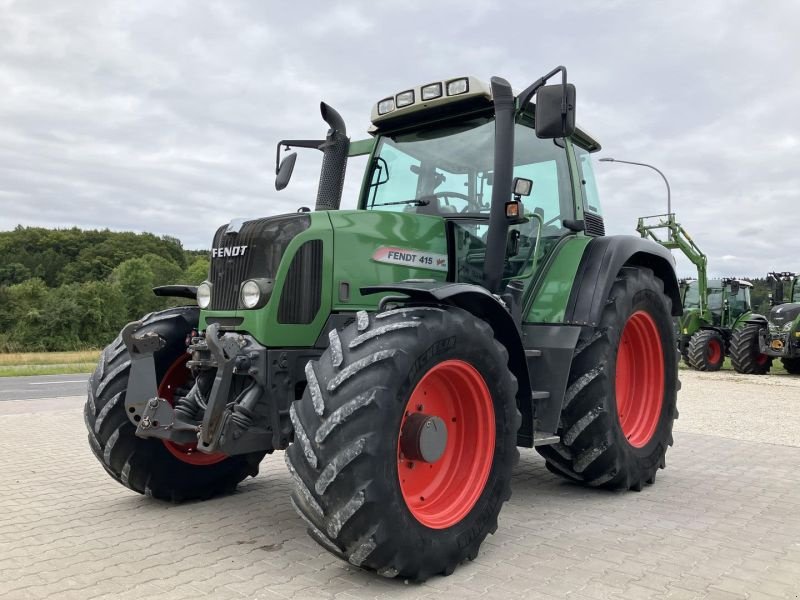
[[484, 305]]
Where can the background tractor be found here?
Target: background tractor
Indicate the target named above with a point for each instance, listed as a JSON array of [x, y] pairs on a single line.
[[402, 351], [761, 340], [712, 309]]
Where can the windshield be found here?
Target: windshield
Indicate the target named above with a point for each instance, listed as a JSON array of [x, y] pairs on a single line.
[[447, 171], [692, 297], [740, 303], [796, 292]]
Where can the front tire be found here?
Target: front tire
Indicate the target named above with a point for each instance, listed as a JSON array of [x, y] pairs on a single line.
[[370, 497], [746, 356], [706, 351], [148, 465], [620, 404]]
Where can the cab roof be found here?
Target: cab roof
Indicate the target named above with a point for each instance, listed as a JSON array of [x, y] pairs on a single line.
[[443, 98]]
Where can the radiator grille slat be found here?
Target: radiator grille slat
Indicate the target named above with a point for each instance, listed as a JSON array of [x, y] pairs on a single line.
[[301, 296]]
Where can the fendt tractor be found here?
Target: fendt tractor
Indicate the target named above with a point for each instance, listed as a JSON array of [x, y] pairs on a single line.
[[761, 340], [713, 309], [402, 351]]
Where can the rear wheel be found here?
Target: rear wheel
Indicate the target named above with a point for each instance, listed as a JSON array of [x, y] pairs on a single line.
[[746, 357], [706, 351], [792, 365], [405, 439], [150, 466], [620, 404]]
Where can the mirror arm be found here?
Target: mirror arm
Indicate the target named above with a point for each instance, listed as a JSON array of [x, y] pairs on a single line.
[[528, 92], [297, 144]]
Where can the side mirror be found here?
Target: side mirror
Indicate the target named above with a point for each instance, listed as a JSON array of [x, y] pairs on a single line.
[[284, 173], [549, 119]]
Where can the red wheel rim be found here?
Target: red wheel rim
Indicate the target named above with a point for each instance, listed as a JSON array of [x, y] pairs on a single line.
[[761, 359], [176, 377], [714, 351], [442, 493], [639, 379]]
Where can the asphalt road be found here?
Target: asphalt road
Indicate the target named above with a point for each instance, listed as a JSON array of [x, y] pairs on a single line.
[[42, 386]]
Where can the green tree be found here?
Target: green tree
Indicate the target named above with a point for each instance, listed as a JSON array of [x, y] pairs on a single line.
[[14, 273], [165, 271], [197, 272], [26, 321], [134, 279]]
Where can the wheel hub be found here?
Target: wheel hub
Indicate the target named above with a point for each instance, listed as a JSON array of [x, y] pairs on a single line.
[[423, 437]]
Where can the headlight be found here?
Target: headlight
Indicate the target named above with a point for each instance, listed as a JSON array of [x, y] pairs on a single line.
[[404, 99], [385, 106], [254, 293], [432, 91], [457, 86], [788, 326], [251, 295], [204, 294]]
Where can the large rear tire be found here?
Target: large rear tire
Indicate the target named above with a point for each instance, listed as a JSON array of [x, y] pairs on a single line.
[[746, 356], [792, 365], [620, 404], [151, 466], [706, 350], [373, 499]]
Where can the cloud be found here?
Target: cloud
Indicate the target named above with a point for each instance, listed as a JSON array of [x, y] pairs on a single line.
[[163, 116]]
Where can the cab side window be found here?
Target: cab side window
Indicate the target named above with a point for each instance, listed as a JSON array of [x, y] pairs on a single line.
[[591, 198]]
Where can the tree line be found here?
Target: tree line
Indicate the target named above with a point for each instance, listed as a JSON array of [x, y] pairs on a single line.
[[70, 289]]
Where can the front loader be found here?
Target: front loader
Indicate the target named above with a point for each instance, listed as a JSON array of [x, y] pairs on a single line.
[[762, 340], [402, 351], [713, 309]]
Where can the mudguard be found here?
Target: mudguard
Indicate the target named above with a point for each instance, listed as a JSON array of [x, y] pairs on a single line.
[[484, 305], [602, 260], [176, 291]]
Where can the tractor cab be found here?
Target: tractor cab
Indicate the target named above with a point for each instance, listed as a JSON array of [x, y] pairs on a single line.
[[445, 168], [785, 287], [728, 299]]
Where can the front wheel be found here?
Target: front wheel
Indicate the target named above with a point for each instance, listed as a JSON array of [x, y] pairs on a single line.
[[161, 469], [620, 404], [746, 356], [706, 351], [405, 439]]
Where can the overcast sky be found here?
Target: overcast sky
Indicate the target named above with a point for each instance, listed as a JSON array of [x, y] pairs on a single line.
[[163, 116]]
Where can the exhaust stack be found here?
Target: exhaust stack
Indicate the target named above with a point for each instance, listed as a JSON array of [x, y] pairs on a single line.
[[334, 161]]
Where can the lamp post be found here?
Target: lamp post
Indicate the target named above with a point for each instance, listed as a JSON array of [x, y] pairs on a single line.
[[664, 177]]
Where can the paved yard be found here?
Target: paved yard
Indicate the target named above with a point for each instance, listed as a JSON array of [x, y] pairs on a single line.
[[722, 521]]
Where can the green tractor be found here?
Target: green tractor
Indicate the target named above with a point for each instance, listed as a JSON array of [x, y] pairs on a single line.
[[761, 340], [401, 352], [712, 309]]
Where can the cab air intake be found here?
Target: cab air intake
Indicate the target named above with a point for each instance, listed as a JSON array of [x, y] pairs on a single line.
[[334, 161]]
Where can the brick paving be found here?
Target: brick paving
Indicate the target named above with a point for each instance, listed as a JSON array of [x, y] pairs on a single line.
[[722, 522]]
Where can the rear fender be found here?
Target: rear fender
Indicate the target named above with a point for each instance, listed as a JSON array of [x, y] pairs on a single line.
[[602, 260]]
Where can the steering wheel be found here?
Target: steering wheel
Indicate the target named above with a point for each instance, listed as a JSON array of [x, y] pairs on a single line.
[[448, 194]]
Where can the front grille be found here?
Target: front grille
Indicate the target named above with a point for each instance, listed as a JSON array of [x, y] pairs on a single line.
[[594, 224], [265, 241], [301, 295]]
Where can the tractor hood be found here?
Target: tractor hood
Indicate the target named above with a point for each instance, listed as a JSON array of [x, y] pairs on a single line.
[[783, 314]]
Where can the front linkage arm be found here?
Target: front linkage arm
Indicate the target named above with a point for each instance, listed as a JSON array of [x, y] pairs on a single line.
[[152, 416]]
